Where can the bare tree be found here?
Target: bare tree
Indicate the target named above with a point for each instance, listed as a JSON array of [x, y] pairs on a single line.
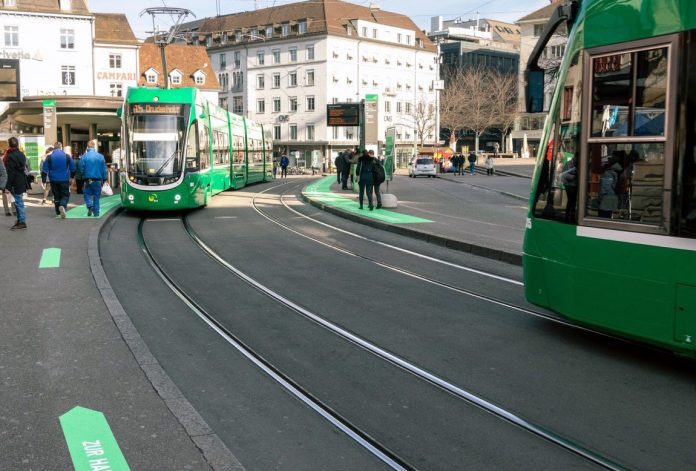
[[451, 110], [504, 95], [476, 101], [424, 118]]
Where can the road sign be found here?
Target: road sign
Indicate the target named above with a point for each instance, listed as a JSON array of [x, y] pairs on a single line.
[[343, 114]]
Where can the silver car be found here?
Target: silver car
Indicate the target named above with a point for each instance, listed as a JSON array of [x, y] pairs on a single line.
[[421, 166]]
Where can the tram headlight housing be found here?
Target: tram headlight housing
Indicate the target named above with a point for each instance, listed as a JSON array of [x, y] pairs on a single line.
[[177, 197], [131, 197]]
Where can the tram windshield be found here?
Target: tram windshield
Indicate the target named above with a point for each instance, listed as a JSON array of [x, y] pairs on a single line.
[[155, 135]]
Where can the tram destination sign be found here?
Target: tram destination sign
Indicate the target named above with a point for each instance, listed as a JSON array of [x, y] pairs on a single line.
[[156, 108], [343, 114]]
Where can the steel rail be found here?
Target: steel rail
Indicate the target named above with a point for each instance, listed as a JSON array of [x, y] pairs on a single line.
[[471, 398], [390, 458]]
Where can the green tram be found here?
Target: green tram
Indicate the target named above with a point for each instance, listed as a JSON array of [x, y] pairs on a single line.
[[610, 240], [181, 150]]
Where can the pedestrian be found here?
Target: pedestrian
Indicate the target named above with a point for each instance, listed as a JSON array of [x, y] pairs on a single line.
[[490, 166], [3, 183], [60, 168], [284, 162], [45, 182], [7, 204], [93, 169], [569, 178], [472, 162], [378, 177], [338, 163], [17, 180], [364, 173], [79, 181], [275, 167], [345, 169]]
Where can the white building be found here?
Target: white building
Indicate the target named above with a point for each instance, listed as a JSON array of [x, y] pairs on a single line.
[[115, 55], [281, 66]]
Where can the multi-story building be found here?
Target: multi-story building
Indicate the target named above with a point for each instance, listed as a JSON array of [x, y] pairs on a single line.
[[529, 126], [281, 66], [115, 55]]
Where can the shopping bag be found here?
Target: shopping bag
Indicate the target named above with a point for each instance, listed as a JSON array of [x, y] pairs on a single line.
[[10, 198], [106, 190]]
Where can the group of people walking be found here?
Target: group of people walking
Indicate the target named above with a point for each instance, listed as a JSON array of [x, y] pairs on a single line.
[[58, 172], [369, 173], [459, 163]]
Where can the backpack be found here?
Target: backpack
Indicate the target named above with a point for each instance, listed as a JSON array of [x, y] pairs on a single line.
[[378, 173]]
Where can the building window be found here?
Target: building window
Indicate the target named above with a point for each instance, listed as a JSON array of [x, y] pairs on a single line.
[[276, 105], [269, 32], [293, 132], [292, 79], [276, 132], [237, 36], [399, 108], [151, 77], [237, 59], [237, 80], [538, 29], [10, 3], [11, 35], [302, 27], [175, 78], [310, 77], [115, 61], [334, 132], [285, 29], [364, 31], [310, 53], [260, 58], [398, 38], [222, 103], [310, 103], [293, 54], [116, 89], [260, 82], [409, 108], [276, 80], [238, 105], [387, 106], [224, 81], [223, 60], [67, 73], [293, 103], [254, 33], [223, 38], [310, 132], [200, 79], [276, 56], [67, 39], [260, 105], [209, 41], [374, 33], [408, 39]]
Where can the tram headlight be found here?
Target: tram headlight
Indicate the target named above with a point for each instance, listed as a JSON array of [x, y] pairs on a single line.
[[177, 197], [131, 197]]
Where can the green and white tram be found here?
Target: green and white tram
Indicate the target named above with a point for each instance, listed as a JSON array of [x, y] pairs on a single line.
[[181, 150], [611, 232]]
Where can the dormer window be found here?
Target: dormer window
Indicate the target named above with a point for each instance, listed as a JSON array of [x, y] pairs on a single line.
[[237, 36], [302, 27], [285, 29], [10, 3], [64, 5], [349, 30], [269, 32], [199, 77], [175, 77], [254, 32], [151, 76], [223, 38], [209, 41]]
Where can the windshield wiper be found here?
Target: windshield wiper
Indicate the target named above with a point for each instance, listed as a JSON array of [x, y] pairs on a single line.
[[159, 170]]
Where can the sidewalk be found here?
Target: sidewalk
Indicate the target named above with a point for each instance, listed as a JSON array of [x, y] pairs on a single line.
[[61, 348], [473, 219]]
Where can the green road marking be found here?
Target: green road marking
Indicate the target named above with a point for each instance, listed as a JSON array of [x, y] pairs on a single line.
[[321, 191], [106, 203], [50, 258], [90, 441]]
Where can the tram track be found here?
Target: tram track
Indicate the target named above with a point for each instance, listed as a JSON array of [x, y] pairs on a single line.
[[420, 373]]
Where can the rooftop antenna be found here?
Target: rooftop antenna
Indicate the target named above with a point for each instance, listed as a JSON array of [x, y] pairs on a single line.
[[163, 38]]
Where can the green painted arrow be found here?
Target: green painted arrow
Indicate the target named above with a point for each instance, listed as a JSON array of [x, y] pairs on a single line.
[[50, 258], [90, 441]]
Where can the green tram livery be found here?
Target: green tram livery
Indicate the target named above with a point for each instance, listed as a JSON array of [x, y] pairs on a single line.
[[610, 240], [181, 150]]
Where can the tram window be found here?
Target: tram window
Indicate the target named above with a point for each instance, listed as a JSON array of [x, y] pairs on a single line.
[[191, 149], [204, 145], [611, 94], [687, 168], [651, 92], [626, 181], [557, 187]]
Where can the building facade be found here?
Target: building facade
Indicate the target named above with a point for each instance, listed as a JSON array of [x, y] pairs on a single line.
[[116, 62], [281, 66]]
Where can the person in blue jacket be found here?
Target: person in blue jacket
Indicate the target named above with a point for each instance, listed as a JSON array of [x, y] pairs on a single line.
[[94, 174], [284, 162], [60, 168]]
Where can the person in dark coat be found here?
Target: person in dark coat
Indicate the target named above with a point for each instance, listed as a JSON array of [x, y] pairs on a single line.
[[338, 163], [365, 178], [60, 168], [3, 184], [378, 193], [17, 183], [472, 162]]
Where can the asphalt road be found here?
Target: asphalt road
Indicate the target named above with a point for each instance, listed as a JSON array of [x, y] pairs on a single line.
[[627, 403]]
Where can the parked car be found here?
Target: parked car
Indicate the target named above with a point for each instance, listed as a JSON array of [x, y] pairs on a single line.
[[421, 166]]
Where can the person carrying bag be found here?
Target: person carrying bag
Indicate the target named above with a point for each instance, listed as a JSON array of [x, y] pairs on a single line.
[[94, 173]]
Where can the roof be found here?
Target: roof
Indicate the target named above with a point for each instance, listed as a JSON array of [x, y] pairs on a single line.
[[186, 58], [113, 28], [77, 7], [322, 16], [501, 29], [539, 15]]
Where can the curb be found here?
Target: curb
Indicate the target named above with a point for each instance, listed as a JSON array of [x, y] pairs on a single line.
[[479, 250], [216, 454]]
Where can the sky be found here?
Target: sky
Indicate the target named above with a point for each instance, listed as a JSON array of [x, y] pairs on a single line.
[[420, 11]]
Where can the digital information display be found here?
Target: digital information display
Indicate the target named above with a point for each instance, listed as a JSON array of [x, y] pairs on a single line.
[[156, 108], [343, 114]]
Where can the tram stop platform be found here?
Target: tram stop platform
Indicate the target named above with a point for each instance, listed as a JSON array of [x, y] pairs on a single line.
[[479, 214], [72, 390]]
